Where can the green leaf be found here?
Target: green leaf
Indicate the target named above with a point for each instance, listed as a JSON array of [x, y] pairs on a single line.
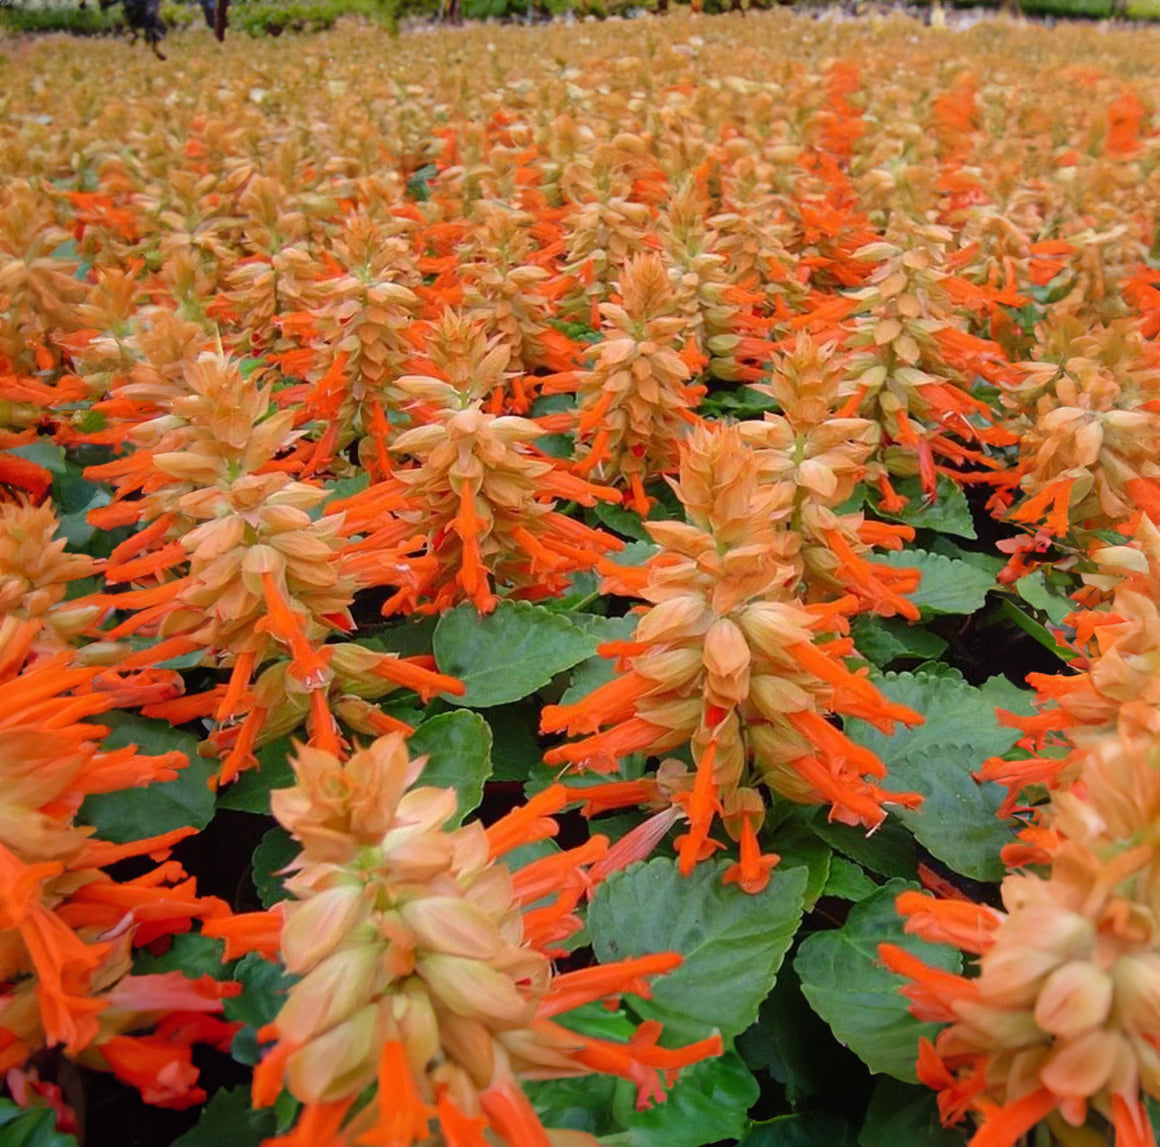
[[605, 628], [989, 562], [30, 1127], [515, 746], [251, 791], [1003, 693], [580, 332], [1153, 1108], [949, 513], [190, 953], [812, 1129], [732, 943], [275, 850], [889, 851], [458, 748], [417, 185], [792, 1043], [1034, 590], [627, 523], [526, 853], [245, 1047], [583, 587], [941, 669], [596, 671], [228, 1118], [737, 402], [708, 1104], [557, 403], [557, 445], [800, 848], [847, 881], [597, 1021], [249, 364], [74, 497], [509, 654], [286, 1109], [859, 998], [1026, 316], [44, 452], [581, 1104], [883, 640], [955, 713], [635, 553], [343, 488], [956, 820], [264, 985], [1009, 611], [410, 639], [182, 661], [587, 676], [948, 585], [901, 1115], [133, 814]]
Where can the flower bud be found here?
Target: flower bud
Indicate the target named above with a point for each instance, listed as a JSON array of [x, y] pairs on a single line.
[[315, 927], [1076, 998], [672, 668], [1137, 982], [188, 467], [1081, 1067], [338, 1063], [331, 992], [261, 559], [673, 619], [726, 657], [775, 696], [1048, 937], [452, 926], [356, 662], [984, 1026], [474, 989], [770, 626], [1147, 1061]]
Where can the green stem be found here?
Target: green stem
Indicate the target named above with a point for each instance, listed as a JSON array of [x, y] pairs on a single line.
[[587, 600]]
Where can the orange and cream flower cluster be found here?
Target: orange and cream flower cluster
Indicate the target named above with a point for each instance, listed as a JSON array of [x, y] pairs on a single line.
[[423, 970], [729, 659], [1062, 1017]]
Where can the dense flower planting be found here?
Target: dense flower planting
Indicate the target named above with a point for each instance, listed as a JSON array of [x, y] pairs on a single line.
[[580, 585]]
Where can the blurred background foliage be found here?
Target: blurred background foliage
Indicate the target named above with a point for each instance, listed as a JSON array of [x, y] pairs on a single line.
[[273, 17]]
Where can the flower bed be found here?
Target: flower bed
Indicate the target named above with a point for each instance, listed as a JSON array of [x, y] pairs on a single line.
[[581, 584]]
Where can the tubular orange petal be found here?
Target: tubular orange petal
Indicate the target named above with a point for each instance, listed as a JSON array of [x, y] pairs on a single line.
[[1005, 1126], [459, 1130], [512, 1116], [402, 1117], [702, 806], [530, 822], [575, 989]]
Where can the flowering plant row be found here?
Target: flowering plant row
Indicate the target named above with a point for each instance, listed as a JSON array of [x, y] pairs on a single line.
[[649, 538]]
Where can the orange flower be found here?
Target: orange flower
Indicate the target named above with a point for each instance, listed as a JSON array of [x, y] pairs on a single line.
[[66, 929], [636, 404], [35, 572], [911, 365], [727, 659], [416, 968], [1064, 1013], [406, 1118], [474, 515], [1088, 434]]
